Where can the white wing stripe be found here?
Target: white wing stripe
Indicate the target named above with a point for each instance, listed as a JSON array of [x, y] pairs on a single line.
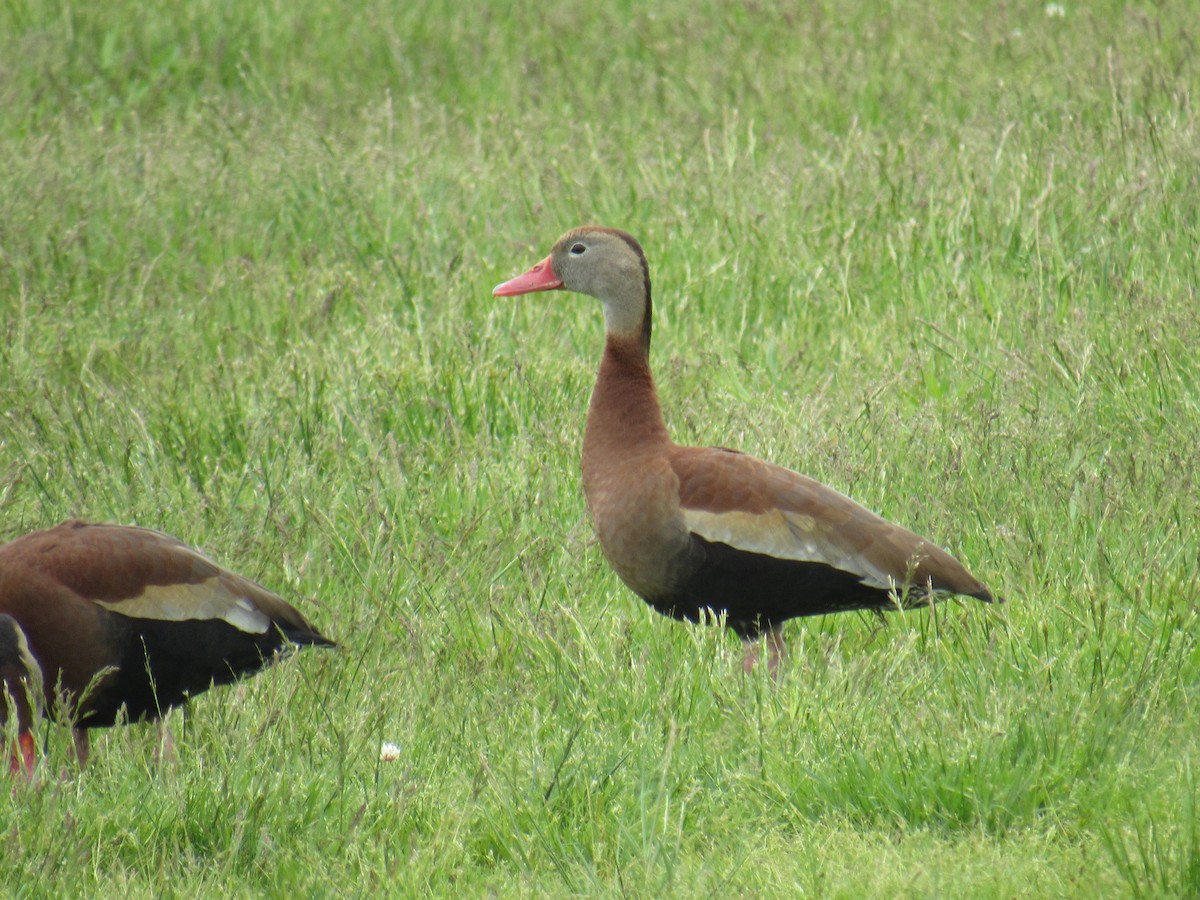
[[185, 602], [784, 536]]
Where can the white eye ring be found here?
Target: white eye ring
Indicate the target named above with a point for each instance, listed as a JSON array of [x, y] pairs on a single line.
[[578, 249]]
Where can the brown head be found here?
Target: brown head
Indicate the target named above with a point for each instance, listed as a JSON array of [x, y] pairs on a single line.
[[603, 263]]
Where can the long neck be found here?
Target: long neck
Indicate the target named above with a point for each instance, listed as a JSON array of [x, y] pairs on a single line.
[[624, 414]]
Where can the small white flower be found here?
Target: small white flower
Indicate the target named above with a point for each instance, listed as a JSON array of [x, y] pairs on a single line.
[[1055, 11], [389, 752]]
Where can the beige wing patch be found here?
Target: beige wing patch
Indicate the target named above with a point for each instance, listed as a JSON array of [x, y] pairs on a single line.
[[786, 535], [208, 599]]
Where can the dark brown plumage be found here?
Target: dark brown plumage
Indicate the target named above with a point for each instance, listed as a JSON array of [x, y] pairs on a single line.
[[126, 622], [691, 529], [20, 692]]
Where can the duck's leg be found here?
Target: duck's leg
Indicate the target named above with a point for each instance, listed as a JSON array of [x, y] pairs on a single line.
[[23, 759], [83, 745], [164, 750], [776, 651]]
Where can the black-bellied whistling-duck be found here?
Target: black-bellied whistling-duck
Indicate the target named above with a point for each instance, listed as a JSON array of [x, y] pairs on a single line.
[[691, 529], [127, 621]]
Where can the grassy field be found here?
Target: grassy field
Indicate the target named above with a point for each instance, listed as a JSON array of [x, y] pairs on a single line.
[[941, 256]]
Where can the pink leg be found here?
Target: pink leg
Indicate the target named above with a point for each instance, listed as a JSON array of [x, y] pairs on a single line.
[[750, 660], [23, 759], [165, 750], [776, 652], [83, 745]]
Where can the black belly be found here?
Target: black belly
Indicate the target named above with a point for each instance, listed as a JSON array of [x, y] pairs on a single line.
[[163, 663], [756, 591]]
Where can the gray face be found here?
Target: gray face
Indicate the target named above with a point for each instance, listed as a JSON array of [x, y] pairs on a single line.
[[605, 265]]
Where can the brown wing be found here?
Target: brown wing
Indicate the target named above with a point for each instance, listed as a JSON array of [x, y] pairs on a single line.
[[146, 574], [130, 619], [730, 498]]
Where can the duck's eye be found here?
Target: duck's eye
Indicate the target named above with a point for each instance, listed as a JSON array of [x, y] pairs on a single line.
[[577, 249]]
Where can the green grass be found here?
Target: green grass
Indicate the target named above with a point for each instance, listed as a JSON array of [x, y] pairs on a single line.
[[942, 257]]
